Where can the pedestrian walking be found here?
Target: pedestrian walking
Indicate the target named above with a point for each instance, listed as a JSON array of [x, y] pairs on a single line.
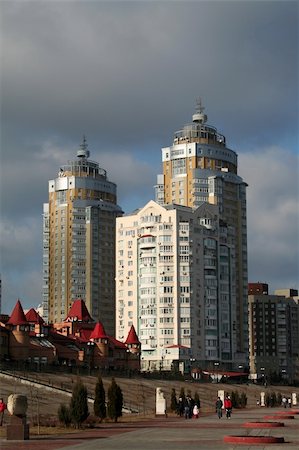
[[2, 409], [195, 412], [219, 405], [228, 406]]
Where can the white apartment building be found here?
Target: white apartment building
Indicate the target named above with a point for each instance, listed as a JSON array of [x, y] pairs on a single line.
[[175, 282]]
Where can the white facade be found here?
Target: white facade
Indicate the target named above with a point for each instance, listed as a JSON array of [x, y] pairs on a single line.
[[171, 262]]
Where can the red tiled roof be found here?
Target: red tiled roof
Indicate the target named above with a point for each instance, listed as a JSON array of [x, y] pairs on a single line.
[[17, 316], [79, 312], [132, 337], [99, 332], [85, 334], [32, 316], [117, 343]]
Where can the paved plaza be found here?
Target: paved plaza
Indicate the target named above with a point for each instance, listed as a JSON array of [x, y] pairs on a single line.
[[174, 433]]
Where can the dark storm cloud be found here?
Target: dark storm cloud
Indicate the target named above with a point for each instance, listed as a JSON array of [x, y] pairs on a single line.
[[127, 74], [123, 69]]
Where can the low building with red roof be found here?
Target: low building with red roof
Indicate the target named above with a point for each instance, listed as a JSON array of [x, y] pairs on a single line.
[[77, 341]]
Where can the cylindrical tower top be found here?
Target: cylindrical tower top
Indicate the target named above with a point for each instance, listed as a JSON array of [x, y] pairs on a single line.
[[199, 117], [83, 152]]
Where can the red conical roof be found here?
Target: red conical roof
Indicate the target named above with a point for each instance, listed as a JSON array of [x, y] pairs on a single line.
[[79, 312], [99, 332], [32, 316], [132, 337], [17, 316]]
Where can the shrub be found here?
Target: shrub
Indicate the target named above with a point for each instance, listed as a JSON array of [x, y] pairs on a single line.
[[173, 402], [182, 395], [64, 415], [99, 405], [78, 405], [243, 400], [196, 399], [115, 401]]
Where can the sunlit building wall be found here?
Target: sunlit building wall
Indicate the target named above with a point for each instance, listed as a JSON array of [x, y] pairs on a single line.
[[79, 241]]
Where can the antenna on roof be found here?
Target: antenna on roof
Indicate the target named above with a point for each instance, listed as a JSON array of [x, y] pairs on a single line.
[[83, 152], [199, 106], [199, 117]]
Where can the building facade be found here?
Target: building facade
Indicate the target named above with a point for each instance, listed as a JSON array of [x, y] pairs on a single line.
[[274, 336], [198, 167], [175, 282], [79, 241]]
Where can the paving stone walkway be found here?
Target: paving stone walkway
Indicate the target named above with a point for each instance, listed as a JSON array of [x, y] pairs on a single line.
[[172, 433]]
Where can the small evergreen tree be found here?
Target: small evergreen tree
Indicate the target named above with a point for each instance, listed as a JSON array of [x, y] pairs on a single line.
[[99, 405], [78, 405], [173, 402], [235, 399], [64, 415], [196, 399], [115, 401], [182, 395], [243, 400], [273, 399]]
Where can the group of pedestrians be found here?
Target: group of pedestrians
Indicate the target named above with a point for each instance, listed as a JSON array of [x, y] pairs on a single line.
[[188, 408], [286, 402], [228, 406]]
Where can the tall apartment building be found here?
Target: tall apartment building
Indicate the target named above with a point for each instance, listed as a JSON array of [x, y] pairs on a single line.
[[175, 282], [79, 241], [199, 167], [274, 335]]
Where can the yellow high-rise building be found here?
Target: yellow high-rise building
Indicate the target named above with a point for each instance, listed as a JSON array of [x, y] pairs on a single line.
[[198, 167], [79, 241]]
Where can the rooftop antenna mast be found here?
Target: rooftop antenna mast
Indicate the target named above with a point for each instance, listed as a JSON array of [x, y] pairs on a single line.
[[83, 152], [199, 116]]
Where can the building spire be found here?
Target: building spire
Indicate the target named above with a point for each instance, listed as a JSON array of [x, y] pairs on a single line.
[[83, 152], [199, 116]]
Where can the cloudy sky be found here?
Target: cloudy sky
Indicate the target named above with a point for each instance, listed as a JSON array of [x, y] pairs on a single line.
[[127, 74]]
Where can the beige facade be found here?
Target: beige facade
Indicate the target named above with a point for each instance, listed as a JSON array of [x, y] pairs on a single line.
[[170, 263], [197, 168], [79, 241]]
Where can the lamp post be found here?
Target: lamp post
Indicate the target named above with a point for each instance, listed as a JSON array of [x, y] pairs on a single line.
[[90, 349], [263, 376], [216, 365], [284, 374], [192, 360]]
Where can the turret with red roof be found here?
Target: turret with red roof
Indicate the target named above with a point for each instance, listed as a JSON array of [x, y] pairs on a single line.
[[19, 339], [132, 342]]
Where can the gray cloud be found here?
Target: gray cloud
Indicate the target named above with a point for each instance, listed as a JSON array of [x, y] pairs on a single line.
[[127, 74], [273, 216]]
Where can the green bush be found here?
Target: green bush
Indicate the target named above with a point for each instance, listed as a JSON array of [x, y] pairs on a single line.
[[196, 399], [64, 415], [79, 405], [99, 405], [115, 401], [173, 402]]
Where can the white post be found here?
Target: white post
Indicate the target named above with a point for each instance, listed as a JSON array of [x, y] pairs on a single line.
[[294, 398], [160, 402], [221, 395]]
